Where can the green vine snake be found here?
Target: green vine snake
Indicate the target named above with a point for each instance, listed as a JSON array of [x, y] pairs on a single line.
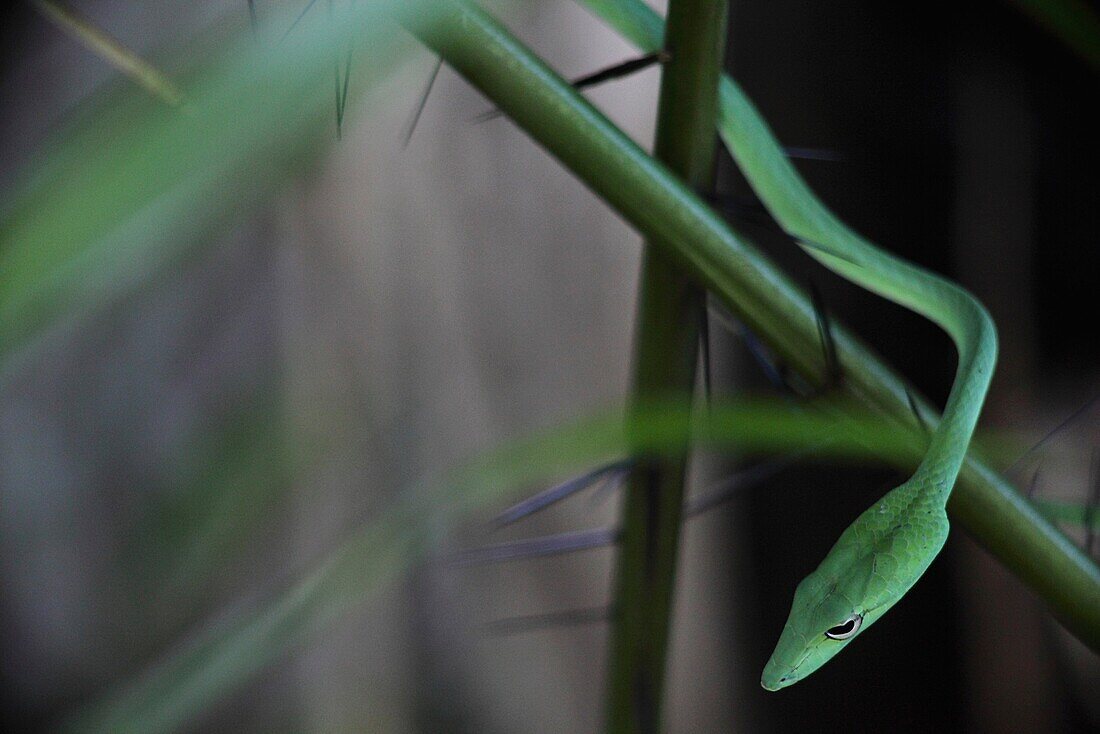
[[888, 547]]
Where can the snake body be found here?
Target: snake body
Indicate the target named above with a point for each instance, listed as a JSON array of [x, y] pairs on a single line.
[[888, 547]]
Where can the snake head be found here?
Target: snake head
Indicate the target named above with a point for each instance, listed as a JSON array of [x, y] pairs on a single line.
[[868, 570], [826, 615]]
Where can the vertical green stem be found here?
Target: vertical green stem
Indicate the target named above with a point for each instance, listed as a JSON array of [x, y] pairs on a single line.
[[671, 308]]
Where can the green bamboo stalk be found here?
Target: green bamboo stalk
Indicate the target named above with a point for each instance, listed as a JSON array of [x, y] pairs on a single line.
[[671, 308], [760, 294]]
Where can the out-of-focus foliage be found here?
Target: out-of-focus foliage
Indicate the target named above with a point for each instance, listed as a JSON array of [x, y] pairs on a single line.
[[124, 190], [223, 657]]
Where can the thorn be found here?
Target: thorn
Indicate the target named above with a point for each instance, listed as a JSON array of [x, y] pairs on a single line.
[[547, 497], [341, 82], [541, 547], [347, 79], [112, 51], [547, 620], [579, 540], [339, 107], [298, 20], [338, 85], [620, 70], [814, 154], [486, 116], [1074, 416], [776, 373], [834, 373], [423, 101], [1034, 483], [724, 490], [756, 349], [596, 78], [609, 484]]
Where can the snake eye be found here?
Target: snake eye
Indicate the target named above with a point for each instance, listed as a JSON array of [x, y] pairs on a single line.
[[845, 629]]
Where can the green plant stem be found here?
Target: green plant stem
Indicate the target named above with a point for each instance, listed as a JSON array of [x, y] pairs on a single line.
[[760, 294], [671, 308]]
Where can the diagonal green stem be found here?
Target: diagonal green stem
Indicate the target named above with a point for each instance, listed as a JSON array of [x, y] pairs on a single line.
[[761, 295], [671, 308]]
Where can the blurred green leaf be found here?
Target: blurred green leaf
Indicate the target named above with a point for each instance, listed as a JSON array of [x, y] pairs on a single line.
[[127, 189], [231, 478], [220, 658]]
